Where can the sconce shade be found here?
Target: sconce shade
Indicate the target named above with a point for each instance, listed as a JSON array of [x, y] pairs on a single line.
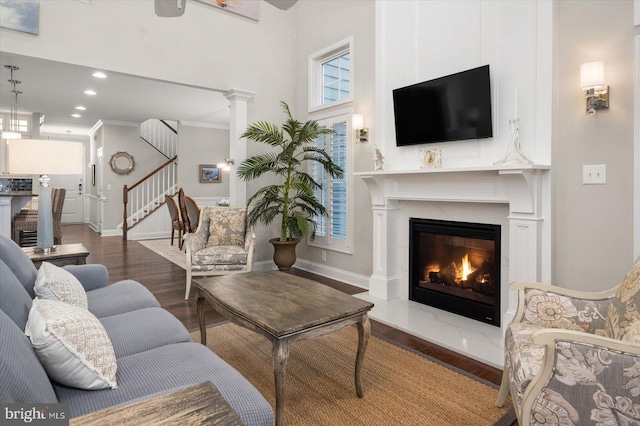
[[357, 121], [592, 75], [37, 156]]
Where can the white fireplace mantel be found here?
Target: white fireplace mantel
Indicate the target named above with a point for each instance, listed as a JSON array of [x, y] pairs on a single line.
[[518, 186]]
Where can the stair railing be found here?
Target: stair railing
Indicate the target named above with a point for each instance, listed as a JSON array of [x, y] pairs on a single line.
[[147, 195], [160, 135]]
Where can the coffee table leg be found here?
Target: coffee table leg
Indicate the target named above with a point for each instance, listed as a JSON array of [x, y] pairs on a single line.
[[200, 311], [364, 331], [280, 356]]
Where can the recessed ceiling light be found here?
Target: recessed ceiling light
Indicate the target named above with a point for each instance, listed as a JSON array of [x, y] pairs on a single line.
[[76, 115], [99, 74], [81, 108], [90, 92]]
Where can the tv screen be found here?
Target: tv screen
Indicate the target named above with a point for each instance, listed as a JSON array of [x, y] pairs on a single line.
[[450, 108]]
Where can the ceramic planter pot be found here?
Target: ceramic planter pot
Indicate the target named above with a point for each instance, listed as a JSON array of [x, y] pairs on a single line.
[[284, 253]]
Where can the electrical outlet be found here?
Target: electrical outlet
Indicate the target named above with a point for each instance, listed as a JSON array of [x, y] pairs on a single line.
[[323, 255], [595, 174]]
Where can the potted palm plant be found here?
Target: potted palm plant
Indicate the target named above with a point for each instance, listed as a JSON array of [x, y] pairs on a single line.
[[292, 198]]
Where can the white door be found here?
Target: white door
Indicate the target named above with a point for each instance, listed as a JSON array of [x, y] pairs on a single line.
[[72, 212]]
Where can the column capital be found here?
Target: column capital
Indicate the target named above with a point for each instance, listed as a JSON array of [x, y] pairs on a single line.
[[238, 95]]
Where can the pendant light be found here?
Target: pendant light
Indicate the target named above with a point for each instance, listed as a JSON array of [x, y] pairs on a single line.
[[13, 132]]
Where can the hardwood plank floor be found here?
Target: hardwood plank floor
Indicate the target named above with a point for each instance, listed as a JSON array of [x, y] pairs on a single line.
[[131, 260]]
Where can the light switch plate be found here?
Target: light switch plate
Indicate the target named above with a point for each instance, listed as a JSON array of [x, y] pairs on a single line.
[[595, 174]]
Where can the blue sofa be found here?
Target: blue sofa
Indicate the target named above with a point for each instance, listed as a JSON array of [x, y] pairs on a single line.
[[153, 349]]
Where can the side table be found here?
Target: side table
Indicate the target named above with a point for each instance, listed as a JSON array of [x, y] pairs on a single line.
[[65, 254]]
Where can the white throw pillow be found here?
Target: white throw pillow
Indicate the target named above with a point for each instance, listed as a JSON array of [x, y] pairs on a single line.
[[72, 345], [55, 283]]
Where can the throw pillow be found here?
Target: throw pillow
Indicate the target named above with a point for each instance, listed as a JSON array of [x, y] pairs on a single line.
[[72, 345], [623, 316], [226, 227], [55, 283]]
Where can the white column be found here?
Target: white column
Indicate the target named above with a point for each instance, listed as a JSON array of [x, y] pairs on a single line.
[[237, 146]]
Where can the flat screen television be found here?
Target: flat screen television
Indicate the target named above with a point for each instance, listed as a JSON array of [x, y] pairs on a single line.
[[451, 108]]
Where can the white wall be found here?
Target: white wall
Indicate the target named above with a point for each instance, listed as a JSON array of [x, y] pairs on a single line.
[[357, 19], [207, 47], [418, 41], [594, 223], [123, 138], [200, 145]]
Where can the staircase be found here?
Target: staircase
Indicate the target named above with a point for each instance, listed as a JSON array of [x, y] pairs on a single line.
[[147, 195]]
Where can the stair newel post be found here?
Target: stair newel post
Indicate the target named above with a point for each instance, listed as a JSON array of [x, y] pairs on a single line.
[[125, 200]]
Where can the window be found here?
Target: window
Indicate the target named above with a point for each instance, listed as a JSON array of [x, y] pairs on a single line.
[[333, 230], [330, 76], [336, 79]]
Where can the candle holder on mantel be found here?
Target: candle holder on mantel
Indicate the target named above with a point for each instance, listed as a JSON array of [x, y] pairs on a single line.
[[514, 155]]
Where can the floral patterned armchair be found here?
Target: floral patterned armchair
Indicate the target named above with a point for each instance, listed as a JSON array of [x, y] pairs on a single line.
[[222, 244], [574, 358]]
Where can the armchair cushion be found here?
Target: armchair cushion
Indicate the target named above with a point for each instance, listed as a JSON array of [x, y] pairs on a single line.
[[227, 227], [623, 317], [220, 255], [590, 383]]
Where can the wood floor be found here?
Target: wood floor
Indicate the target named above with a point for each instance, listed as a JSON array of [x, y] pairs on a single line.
[[131, 260]]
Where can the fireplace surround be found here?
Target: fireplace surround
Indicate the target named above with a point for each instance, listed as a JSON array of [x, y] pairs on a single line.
[[517, 197], [455, 266]]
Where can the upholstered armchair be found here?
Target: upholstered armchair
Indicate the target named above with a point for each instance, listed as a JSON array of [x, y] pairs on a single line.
[[222, 244], [572, 357]]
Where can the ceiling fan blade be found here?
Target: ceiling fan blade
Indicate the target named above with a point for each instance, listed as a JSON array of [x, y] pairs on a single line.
[[282, 4], [170, 8]]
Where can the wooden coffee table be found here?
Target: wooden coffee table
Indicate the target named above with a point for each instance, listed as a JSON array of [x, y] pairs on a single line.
[[284, 308]]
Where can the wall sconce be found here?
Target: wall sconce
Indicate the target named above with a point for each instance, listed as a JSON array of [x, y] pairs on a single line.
[[357, 123], [592, 80], [226, 166]]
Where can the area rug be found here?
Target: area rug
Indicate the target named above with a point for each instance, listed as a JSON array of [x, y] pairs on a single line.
[[170, 252], [400, 387]]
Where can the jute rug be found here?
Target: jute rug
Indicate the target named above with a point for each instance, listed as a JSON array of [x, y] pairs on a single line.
[[170, 252], [400, 387]]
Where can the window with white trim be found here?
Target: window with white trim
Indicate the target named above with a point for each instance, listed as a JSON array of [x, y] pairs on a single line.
[[333, 230], [330, 76]]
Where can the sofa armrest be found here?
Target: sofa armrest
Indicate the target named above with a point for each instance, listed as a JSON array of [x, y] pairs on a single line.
[[90, 276], [556, 307], [583, 376]]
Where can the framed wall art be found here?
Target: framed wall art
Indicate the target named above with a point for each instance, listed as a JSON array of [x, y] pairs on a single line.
[[247, 8], [23, 15], [209, 173]]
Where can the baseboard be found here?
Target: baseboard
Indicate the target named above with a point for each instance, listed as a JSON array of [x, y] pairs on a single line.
[[341, 275], [149, 236], [111, 232]]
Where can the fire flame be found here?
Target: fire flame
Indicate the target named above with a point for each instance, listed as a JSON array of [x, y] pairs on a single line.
[[466, 267]]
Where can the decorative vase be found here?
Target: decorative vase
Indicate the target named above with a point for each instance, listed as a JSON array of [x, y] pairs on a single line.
[[514, 155], [284, 253]]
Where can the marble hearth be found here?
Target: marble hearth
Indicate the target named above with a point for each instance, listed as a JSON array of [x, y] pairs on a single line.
[[513, 197]]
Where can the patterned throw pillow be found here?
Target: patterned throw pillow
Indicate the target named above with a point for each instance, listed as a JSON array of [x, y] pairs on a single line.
[[623, 317], [226, 227], [72, 345], [55, 283]]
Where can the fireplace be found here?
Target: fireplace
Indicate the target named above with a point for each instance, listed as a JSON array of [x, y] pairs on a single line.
[[455, 266]]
